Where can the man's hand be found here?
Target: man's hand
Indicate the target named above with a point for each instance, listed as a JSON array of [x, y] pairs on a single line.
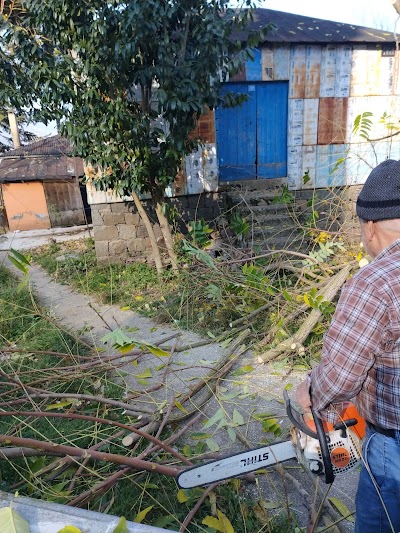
[[303, 395]]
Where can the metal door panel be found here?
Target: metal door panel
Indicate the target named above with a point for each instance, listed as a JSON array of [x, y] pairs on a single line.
[[252, 138], [272, 117], [236, 136]]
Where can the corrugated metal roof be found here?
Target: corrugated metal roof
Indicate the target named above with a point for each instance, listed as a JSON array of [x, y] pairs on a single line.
[[56, 145], [42, 168], [48, 159], [300, 29]]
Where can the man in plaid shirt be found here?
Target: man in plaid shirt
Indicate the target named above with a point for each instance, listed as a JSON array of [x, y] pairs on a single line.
[[361, 353]]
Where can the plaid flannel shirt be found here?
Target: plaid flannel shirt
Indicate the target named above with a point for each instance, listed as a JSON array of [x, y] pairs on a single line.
[[361, 350]]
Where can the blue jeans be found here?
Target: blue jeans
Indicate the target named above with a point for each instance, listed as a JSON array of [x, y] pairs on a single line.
[[382, 457]]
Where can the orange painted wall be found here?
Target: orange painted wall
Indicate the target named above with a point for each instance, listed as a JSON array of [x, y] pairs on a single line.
[[25, 205]]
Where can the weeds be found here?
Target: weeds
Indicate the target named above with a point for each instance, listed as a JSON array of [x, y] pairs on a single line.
[[136, 286], [64, 399]]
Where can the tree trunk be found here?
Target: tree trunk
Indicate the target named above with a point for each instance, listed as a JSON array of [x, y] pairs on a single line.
[[150, 231], [396, 5], [166, 233], [14, 129]]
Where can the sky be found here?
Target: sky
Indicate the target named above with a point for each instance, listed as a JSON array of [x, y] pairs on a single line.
[[371, 13]]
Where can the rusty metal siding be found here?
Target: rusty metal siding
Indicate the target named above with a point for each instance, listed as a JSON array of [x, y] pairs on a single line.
[[281, 62], [64, 203], [343, 71], [313, 71], [330, 165], [362, 159], [378, 105], [396, 73], [328, 71], [275, 62], [267, 63], [309, 166], [373, 74], [201, 170], [310, 121], [332, 120], [295, 121], [297, 71], [295, 167]]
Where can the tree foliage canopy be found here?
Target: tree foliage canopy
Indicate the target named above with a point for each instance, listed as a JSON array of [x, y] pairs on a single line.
[[126, 79]]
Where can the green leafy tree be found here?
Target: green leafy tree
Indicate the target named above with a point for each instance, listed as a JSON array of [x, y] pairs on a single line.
[[127, 80], [11, 11]]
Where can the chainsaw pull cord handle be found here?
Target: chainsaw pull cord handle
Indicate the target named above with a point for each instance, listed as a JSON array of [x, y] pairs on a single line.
[[298, 421]]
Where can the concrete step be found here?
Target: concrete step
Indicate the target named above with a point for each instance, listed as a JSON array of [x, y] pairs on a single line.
[[270, 232], [253, 185], [254, 197], [280, 243], [270, 219]]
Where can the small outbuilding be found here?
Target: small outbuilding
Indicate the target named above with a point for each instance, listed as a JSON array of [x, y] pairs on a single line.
[[41, 186]]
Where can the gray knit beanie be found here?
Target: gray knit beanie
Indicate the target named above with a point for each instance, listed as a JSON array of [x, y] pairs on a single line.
[[379, 199]]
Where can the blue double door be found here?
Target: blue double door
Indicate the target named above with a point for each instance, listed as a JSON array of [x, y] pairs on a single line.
[[252, 138]]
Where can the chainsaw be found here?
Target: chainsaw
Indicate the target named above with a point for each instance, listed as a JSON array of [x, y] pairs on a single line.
[[321, 447]]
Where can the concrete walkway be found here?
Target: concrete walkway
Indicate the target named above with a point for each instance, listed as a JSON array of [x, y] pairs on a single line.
[[26, 240], [258, 391]]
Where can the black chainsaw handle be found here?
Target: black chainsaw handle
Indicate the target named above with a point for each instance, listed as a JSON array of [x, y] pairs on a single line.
[[298, 421], [326, 456]]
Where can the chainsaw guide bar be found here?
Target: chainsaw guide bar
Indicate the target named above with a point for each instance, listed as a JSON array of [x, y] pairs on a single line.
[[236, 465]]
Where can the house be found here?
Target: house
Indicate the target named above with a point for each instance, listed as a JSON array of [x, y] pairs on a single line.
[[40, 185], [306, 85], [308, 82]]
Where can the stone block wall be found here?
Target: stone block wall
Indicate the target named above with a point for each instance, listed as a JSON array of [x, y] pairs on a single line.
[[119, 232]]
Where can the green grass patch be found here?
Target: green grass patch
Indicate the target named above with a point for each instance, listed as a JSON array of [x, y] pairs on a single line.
[[27, 328], [135, 286]]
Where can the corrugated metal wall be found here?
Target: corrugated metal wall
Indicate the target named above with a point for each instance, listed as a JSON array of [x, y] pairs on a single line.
[[64, 203], [329, 86]]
